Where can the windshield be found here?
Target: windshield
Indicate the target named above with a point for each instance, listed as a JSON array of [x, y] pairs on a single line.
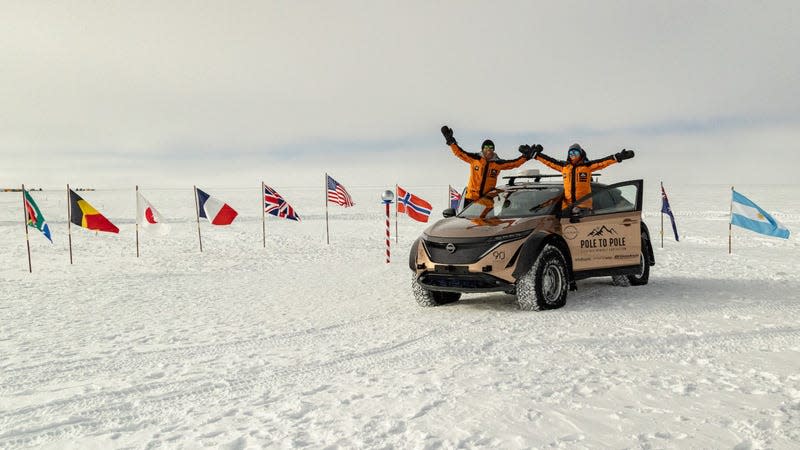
[[514, 203]]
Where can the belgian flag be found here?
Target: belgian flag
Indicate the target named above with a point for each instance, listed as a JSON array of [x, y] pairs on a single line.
[[84, 215]]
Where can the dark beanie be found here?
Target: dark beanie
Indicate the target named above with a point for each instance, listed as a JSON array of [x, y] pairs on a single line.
[[487, 142], [575, 147]]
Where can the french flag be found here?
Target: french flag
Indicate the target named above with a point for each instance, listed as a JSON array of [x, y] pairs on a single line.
[[216, 211]]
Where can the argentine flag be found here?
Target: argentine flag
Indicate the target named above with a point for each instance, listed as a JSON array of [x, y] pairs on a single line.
[[747, 214]]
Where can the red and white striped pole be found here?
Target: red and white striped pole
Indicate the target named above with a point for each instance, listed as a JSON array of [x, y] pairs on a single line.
[[387, 198]]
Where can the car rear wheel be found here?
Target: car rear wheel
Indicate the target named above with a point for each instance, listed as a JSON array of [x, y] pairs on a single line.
[[641, 277], [546, 284], [427, 298]]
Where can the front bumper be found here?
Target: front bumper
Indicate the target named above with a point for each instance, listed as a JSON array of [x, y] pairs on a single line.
[[463, 282]]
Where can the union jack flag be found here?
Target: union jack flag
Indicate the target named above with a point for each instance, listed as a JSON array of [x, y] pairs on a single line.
[[455, 197], [338, 194], [275, 204]]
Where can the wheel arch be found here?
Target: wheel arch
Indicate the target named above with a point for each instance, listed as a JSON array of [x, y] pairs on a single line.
[[534, 245], [646, 236], [412, 256]]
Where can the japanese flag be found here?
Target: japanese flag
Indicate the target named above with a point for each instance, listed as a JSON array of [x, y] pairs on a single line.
[[148, 217]]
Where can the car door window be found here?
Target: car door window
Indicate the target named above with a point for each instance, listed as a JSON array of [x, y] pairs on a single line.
[[616, 198]]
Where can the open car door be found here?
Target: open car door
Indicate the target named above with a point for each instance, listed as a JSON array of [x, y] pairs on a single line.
[[604, 230]]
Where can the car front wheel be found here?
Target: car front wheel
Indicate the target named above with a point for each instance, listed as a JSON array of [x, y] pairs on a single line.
[[545, 285], [426, 297]]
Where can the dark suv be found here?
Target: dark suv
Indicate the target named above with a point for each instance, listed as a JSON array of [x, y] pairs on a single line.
[[521, 240]]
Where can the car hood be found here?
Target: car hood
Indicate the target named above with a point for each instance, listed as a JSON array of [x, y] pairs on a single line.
[[459, 227]]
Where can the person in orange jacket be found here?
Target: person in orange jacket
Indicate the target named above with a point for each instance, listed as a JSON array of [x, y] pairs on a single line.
[[576, 170], [484, 167]]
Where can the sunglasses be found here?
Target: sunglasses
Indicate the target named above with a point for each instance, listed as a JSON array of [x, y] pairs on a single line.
[[488, 147], [574, 153]]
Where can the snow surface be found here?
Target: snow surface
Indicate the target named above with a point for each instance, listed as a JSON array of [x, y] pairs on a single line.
[[304, 344]]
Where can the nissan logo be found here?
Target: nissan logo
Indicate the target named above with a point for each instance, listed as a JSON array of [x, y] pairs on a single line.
[[450, 248]]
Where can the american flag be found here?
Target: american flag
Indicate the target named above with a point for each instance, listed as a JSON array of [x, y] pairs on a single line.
[[275, 204], [455, 197], [338, 194]]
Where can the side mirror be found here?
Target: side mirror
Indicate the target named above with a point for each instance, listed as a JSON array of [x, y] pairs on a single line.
[[449, 212], [575, 215]]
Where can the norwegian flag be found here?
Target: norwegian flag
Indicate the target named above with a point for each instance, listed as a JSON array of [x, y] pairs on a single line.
[[416, 208], [455, 197], [338, 194], [275, 205]]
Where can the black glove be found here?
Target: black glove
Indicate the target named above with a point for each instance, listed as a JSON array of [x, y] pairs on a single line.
[[530, 151], [624, 154], [447, 132]]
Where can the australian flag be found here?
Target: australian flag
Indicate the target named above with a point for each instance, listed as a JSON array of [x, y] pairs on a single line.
[[665, 209], [455, 197], [275, 205]]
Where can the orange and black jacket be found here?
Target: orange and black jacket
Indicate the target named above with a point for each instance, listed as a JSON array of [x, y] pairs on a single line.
[[578, 177], [483, 174]]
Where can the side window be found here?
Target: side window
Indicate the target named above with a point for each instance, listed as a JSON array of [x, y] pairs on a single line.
[[616, 198]]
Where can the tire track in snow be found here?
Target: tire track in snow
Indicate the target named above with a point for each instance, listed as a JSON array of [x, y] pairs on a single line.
[[36, 375], [147, 405], [103, 412]]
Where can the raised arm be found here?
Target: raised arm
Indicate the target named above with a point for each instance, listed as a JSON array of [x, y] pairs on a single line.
[[465, 156], [548, 161]]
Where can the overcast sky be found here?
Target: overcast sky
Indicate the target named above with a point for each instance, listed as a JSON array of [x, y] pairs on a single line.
[[166, 93]]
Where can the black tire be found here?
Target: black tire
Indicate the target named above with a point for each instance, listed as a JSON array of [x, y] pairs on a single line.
[[546, 284], [620, 280], [428, 298], [641, 278]]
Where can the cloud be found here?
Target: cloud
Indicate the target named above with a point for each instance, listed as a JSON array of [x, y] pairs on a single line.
[[179, 84]]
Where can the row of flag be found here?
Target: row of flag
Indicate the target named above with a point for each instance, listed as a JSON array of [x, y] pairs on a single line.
[[214, 210], [744, 212]]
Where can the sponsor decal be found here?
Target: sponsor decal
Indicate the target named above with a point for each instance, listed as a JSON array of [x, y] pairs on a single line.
[[570, 232], [601, 231], [583, 176]]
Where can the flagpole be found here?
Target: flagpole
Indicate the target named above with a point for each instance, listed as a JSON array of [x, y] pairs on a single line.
[[730, 227], [263, 217], [197, 215], [25, 222], [396, 237], [662, 214], [137, 220], [327, 232], [69, 224]]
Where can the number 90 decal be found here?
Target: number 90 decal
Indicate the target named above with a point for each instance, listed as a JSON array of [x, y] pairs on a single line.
[[499, 254]]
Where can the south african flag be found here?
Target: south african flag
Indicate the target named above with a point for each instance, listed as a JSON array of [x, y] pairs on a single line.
[[34, 217]]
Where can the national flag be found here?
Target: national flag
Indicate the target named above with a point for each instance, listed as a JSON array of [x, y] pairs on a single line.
[[84, 215], [455, 197], [34, 217], [338, 194], [746, 214], [416, 208], [214, 210], [275, 205], [665, 209], [148, 217]]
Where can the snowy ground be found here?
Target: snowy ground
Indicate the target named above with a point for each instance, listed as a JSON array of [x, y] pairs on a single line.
[[304, 344]]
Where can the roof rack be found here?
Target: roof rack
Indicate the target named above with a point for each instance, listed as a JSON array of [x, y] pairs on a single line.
[[536, 177]]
